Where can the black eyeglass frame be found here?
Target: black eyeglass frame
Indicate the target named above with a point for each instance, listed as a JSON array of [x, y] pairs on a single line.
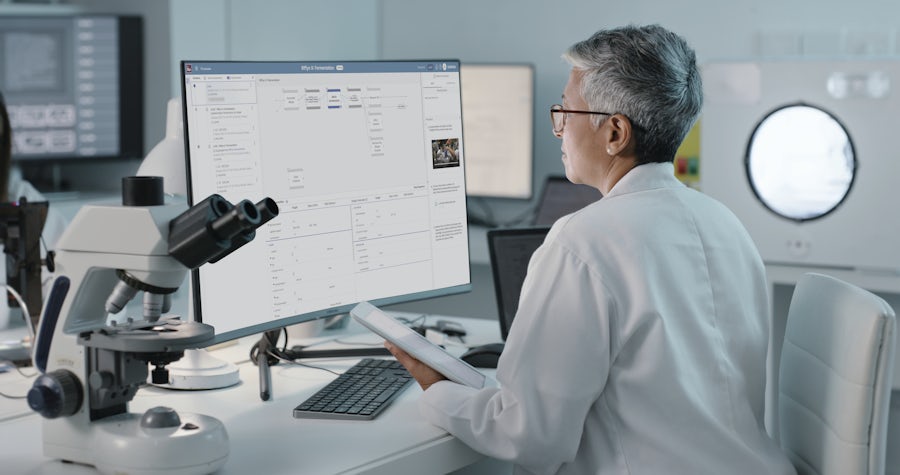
[[558, 108]]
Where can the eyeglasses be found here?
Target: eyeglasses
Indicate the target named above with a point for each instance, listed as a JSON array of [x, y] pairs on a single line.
[[558, 117]]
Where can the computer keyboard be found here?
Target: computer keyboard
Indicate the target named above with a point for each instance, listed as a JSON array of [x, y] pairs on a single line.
[[360, 393]]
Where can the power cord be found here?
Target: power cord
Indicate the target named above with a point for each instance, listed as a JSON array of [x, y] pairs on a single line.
[[21, 302], [273, 353], [24, 375]]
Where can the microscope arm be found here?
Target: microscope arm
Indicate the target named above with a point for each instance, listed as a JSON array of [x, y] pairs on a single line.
[[44, 334]]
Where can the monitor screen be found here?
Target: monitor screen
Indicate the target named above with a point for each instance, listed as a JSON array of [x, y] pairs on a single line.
[[561, 197], [366, 163], [73, 86], [498, 119]]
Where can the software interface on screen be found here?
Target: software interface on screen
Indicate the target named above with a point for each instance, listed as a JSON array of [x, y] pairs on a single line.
[[62, 80], [498, 119], [366, 163]]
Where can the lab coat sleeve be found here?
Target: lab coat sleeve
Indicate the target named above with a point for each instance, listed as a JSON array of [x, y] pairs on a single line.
[[553, 368]]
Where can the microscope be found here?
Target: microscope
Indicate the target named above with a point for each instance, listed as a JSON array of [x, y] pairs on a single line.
[[93, 365]]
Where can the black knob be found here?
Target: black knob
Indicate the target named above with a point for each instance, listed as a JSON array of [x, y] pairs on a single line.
[[54, 394], [160, 417], [160, 375]]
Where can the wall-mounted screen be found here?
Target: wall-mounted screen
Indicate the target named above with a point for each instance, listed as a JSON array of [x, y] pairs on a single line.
[[73, 86]]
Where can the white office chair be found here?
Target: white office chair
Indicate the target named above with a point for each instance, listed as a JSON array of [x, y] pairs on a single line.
[[835, 378]]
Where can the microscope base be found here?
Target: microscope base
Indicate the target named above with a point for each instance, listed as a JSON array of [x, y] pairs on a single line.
[[121, 445], [197, 369]]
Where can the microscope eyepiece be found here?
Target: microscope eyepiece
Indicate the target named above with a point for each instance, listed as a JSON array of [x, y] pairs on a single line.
[[267, 209], [214, 228], [240, 218]]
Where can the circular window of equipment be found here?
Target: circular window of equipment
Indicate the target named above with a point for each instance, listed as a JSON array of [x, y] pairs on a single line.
[[800, 162]]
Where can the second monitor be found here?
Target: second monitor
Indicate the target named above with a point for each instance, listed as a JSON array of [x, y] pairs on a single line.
[[498, 120]]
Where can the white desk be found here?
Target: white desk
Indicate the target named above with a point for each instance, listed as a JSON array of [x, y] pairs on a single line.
[[264, 437]]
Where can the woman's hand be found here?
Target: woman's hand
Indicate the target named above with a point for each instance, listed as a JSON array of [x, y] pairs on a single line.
[[425, 375]]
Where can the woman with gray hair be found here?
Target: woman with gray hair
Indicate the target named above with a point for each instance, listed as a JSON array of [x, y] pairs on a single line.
[[640, 341]]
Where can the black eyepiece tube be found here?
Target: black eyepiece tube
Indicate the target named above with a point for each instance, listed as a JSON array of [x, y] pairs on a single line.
[[267, 209], [241, 218], [190, 240]]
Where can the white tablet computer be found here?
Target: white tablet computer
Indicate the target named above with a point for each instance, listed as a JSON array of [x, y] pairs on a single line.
[[418, 346]]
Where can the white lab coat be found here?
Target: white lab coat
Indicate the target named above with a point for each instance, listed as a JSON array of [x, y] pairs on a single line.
[[639, 346]]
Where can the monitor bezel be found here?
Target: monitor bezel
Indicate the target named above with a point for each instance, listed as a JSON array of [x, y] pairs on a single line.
[[195, 284]]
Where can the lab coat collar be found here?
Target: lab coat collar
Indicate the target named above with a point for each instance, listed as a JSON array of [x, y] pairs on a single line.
[[646, 177]]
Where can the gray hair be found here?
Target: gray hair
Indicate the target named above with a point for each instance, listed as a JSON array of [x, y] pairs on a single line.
[[648, 74]]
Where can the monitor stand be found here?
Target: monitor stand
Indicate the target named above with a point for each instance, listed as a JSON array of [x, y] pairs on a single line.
[[268, 343], [197, 369]]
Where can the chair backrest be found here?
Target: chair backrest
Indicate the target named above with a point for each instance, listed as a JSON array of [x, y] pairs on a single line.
[[835, 378]]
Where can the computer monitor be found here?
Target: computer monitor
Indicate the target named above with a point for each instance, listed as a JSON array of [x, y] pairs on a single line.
[[73, 86], [498, 120], [511, 250], [359, 157], [561, 197]]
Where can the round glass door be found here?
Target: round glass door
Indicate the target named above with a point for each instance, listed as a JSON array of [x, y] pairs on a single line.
[[800, 162]]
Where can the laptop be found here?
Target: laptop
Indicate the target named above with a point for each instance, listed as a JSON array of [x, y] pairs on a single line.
[[510, 251], [560, 197]]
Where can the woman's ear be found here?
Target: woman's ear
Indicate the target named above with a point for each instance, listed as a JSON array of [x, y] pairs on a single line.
[[619, 134]]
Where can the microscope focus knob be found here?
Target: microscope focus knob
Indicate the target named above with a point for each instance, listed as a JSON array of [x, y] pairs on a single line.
[[160, 417], [54, 394]]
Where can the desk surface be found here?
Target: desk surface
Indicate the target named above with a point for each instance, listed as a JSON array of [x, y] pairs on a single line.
[[264, 437]]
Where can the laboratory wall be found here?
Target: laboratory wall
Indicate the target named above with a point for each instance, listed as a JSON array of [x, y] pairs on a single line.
[[476, 31], [272, 30], [539, 31]]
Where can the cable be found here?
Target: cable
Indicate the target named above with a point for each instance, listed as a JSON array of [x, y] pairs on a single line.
[[276, 355], [10, 396], [412, 322], [26, 376], [21, 304], [340, 342], [306, 365], [272, 352]]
